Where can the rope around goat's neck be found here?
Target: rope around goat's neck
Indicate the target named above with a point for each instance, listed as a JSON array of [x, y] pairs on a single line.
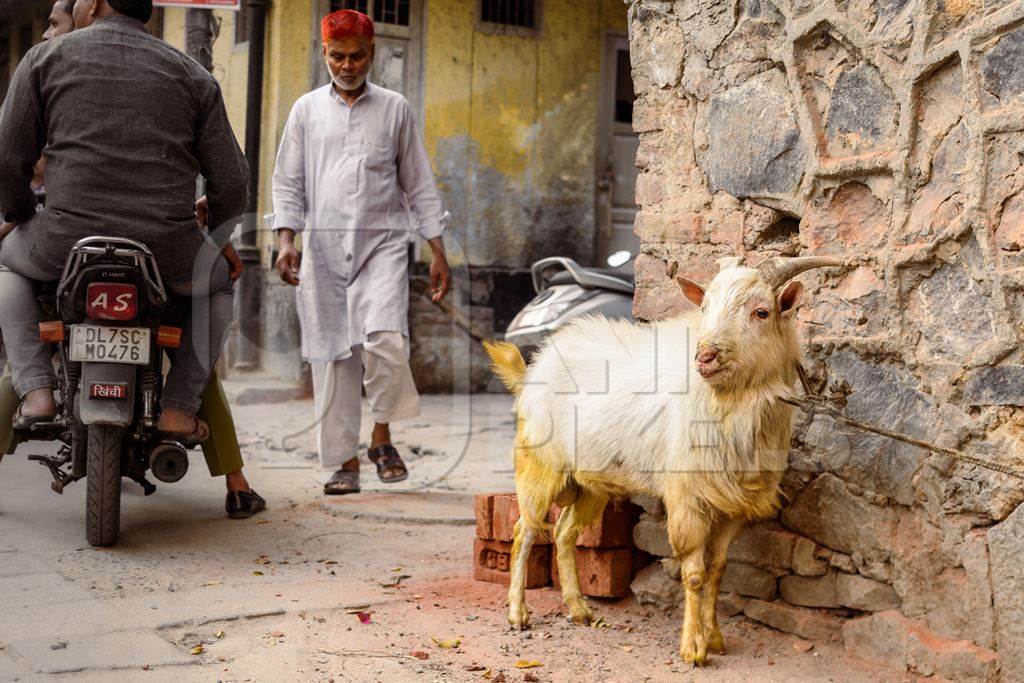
[[813, 403]]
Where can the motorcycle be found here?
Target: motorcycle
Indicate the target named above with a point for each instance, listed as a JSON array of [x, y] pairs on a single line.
[[105, 320], [566, 290]]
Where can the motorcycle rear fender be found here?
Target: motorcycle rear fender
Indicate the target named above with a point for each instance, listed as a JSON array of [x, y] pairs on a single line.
[[99, 411]]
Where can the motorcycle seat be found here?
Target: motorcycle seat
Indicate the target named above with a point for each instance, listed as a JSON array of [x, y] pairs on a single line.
[[564, 277]]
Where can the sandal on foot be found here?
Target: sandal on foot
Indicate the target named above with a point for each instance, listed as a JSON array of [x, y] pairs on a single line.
[[24, 422], [244, 504], [386, 457], [200, 434], [342, 482]]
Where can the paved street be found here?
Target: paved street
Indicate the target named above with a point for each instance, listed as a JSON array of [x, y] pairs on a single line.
[[189, 595]]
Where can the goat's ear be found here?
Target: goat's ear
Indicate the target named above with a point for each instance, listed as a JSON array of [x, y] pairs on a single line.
[[790, 298], [693, 292]]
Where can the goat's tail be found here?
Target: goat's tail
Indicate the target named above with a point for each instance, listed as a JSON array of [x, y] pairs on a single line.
[[508, 364]]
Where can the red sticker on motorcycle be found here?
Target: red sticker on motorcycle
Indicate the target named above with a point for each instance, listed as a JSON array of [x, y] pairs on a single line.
[[109, 391]]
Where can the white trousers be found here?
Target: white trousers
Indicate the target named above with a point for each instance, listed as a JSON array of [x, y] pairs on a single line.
[[382, 367]]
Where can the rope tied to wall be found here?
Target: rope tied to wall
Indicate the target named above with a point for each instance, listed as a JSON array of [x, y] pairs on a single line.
[[813, 403]]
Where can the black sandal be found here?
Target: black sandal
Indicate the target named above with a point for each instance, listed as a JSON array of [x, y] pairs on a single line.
[[22, 422], [386, 457], [342, 482], [244, 504]]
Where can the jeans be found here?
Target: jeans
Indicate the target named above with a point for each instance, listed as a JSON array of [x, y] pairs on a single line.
[[203, 335]]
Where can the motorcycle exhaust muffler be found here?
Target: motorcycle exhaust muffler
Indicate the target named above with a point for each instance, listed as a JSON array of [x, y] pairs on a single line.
[[168, 461]]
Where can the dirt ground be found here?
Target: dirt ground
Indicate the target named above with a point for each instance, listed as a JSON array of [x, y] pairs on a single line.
[[188, 595]]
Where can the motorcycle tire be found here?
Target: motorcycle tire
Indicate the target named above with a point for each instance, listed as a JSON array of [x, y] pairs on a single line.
[[103, 493]]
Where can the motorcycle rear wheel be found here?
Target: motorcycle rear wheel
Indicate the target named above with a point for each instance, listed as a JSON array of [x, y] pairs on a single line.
[[103, 494]]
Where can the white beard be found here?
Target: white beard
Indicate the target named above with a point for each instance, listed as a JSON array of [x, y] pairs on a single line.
[[348, 87]]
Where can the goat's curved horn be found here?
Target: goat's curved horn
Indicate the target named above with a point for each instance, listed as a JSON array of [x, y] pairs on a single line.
[[778, 271]]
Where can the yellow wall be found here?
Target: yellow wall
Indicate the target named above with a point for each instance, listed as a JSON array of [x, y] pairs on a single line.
[[511, 123]]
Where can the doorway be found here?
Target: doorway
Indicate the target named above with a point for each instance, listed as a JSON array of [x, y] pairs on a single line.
[[616, 154]]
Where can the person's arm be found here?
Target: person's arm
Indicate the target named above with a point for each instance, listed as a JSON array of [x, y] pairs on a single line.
[[22, 133], [289, 195], [223, 166], [416, 178]]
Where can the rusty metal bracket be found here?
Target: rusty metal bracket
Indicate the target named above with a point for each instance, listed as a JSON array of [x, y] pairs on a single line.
[[833, 404]]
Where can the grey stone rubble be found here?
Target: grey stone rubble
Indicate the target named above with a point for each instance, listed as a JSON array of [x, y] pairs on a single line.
[[891, 133]]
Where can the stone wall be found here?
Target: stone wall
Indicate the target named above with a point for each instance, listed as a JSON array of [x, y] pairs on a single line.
[[889, 132]]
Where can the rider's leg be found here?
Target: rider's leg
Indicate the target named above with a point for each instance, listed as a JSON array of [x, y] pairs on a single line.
[[8, 407], [30, 358], [202, 339]]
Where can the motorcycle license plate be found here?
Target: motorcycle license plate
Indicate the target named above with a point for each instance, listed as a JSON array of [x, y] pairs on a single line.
[[92, 343]]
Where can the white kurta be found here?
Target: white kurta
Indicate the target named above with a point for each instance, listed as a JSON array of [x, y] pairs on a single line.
[[344, 177]]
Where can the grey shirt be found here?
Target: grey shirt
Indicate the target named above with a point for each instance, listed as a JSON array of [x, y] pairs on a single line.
[[127, 123]]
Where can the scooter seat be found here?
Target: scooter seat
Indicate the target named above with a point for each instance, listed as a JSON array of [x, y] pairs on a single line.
[[564, 277]]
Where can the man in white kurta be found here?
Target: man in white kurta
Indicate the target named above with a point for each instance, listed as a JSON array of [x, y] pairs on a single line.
[[351, 161]]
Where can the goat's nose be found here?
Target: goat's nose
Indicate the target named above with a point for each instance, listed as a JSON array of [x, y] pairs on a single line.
[[706, 355]]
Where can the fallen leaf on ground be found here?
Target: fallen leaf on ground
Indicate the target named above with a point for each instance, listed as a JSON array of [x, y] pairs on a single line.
[[218, 634], [357, 610], [803, 646], [213, 583], [397, 569], [600, 623], [262, 560], [197, 650], [500, 678], [263, 521], [446, 644], [523, 664], [364, 617], [420, 654], [530, 678], [277, 634], [257, 573], [626, 648]]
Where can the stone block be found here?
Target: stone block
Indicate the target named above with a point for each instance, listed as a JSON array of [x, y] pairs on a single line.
[[748, 580], [654, 585], [602, 572], [829, 513], [730, 604], [890, 638], [483, 510], [807, 623], [1006, 550], [491, 561], [651, 536], [807, 559], [754, 146], [764, 545], [807, 591], [857, 592]]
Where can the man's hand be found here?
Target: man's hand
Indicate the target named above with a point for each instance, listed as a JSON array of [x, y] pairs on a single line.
[[235, 265], [287, 264], [203, 212], [440, 273]]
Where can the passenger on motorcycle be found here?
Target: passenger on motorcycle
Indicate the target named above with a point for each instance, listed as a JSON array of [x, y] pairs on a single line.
[[126, 123]]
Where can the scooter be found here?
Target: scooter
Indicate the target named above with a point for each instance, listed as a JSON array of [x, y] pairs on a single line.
[[566, 290]]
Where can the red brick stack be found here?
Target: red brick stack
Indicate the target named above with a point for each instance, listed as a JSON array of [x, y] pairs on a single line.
[[605, 554]]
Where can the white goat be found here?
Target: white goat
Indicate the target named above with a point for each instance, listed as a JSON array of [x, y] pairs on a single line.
[[612, 408]]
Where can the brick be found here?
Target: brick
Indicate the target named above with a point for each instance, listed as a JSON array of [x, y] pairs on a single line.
[[491, 560], [614, 529], [506, 514], [603, 572], [807, 623], [483, 509]]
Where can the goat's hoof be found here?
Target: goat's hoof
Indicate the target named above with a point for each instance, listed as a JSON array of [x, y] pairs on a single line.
[[519, 618], [694, 651], [715, 643], [581, 614]]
